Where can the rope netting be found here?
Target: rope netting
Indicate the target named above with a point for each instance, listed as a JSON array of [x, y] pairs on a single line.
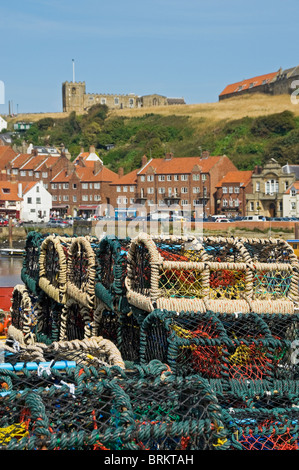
[[155, 343], [220, 274]]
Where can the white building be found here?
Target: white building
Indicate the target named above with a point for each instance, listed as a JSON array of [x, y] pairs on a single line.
[[291, 201], [3, 124], [36, 203]]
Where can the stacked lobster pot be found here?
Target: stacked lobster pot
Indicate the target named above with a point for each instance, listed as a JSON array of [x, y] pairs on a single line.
[[175, 343]]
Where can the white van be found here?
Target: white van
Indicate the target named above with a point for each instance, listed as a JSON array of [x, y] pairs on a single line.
[[255, 218]]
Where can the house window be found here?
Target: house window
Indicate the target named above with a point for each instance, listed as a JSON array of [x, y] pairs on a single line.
[[44, 174], [37, 189], [65, 198], [251, 206], [142, 178], [271, 186], [184, 190], [196, 189], [237, 189], [132, 189], [22, 173], [184, 177], [116, 101], [74, 198], [161, 190], [125, 189], [65, 186], [54, 185], [97, 197], [230, 189], [84, 185], [161, 178], [103, 100], [258, 186], [74, 185], [85, 197], [184, 202], [97, 185], [54, 198], [176, 177], [29, 200], [224, 190], [224, 203], [37, 174], [168, 177], [293, 205], [38, 201], [150, 190], [204, 177], [118, 189], [293, 192], [196, 177], [150, 178]]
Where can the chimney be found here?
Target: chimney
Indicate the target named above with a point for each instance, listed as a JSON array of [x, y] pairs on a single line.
[[97, 167], [20, 192], [92, 149], [120, 172], [205, 154], [168, 156], [143, 161], [34, 152]]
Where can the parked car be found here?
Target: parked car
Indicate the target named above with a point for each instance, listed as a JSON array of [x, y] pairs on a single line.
[[60, 223], [3, 222], [223, 219]]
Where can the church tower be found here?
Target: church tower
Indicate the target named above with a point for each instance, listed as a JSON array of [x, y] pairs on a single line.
[[73, 96]]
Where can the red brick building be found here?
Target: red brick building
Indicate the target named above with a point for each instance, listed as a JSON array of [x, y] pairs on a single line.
[[188, 181], [231, 193]]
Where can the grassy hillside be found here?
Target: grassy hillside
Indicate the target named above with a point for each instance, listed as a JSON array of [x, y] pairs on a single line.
[[249, 130]]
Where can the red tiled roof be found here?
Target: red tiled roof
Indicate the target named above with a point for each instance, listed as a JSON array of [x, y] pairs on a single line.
[[20, 159], [62, 177], [129, 178], [27, 185], [248, 83], [6, 155], [179, 165], [236, 177], [104, 175], [13, 191], [33, 162], [294, 185]]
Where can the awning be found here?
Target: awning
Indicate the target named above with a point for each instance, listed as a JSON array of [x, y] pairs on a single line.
[[88, 208], [60, 206]]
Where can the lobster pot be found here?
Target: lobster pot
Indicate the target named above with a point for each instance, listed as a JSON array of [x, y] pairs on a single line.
[[212, 345], [285, 329], [111, 269], [259, 415], [80, 285], [48, 313], [23, 315], [30, 268], [215, 273], [105, 322], [75, 321], [53, 267], [128, 336], [135, 410], [161, 275]]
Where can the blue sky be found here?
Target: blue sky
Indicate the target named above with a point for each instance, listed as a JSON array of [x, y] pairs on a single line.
[[177, 48]]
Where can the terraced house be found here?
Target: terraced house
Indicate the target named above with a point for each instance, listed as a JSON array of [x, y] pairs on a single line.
[[187, 181]]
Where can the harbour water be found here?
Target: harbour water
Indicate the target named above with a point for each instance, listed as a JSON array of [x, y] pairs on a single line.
[[10, 271]]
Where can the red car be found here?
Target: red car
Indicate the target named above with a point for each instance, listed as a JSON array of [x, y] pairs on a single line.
[[3, 222]]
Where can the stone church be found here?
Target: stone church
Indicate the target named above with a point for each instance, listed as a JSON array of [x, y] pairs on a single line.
[[75, 98]]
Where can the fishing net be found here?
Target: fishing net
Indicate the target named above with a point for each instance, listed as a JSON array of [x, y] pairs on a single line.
[[30, 268], [155, 343]]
